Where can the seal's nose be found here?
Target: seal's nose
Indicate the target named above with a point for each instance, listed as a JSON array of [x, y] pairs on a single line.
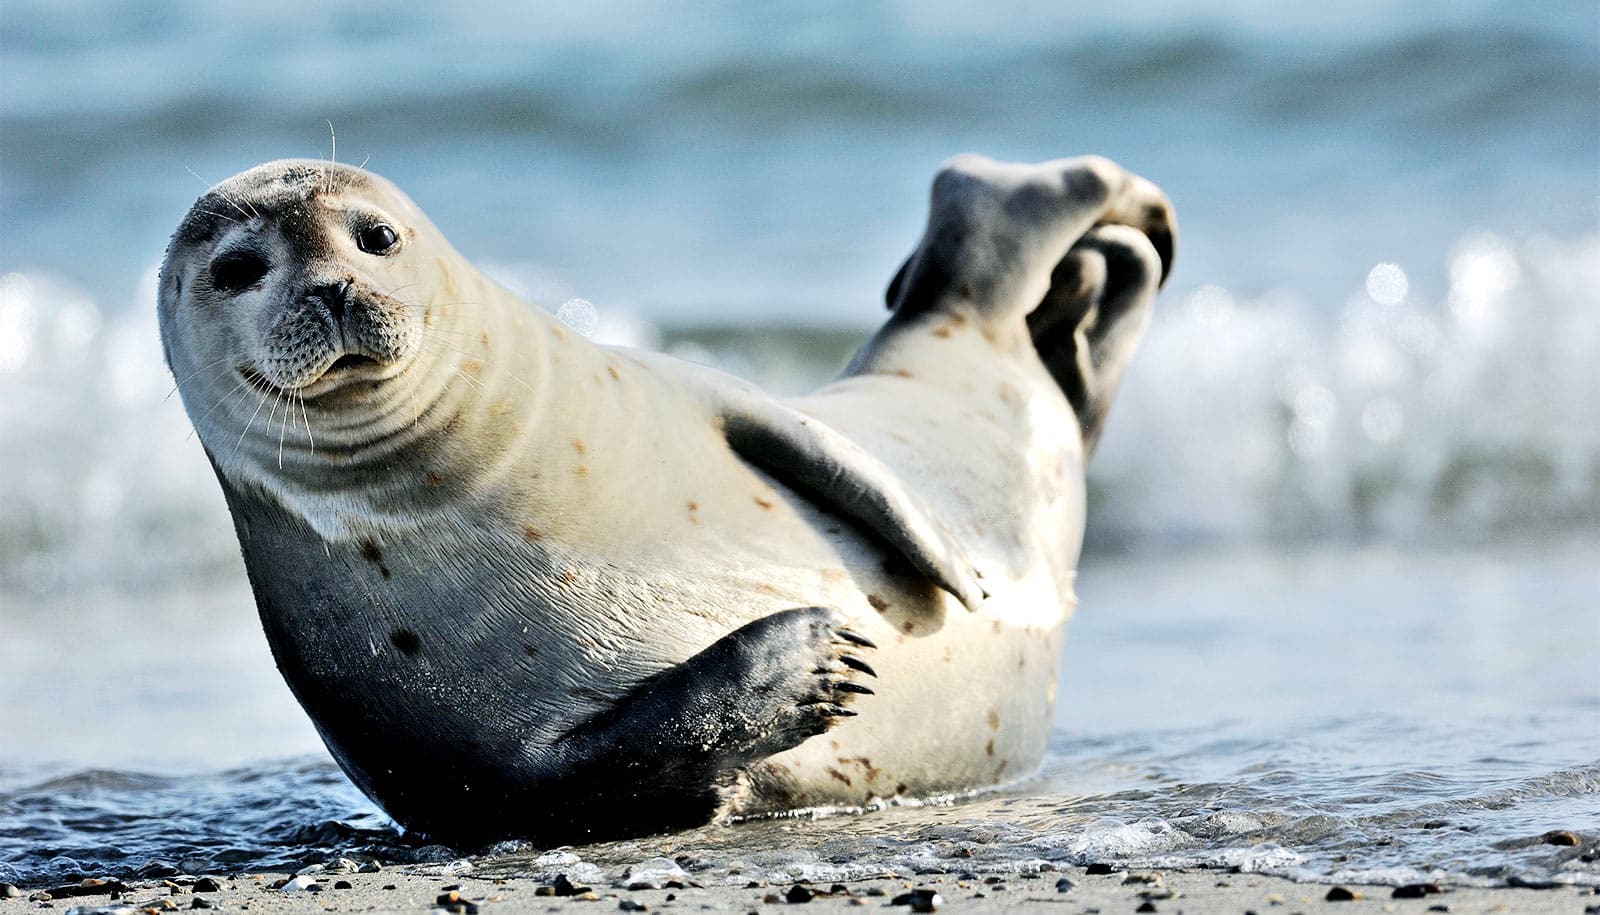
[[331, 297]]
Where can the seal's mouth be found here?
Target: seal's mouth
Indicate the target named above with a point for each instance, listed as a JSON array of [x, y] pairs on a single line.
[[349, 368], [351, 361]]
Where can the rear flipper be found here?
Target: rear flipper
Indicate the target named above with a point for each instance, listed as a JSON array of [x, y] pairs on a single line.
[[664, 756], [1090, 322], [996, 230]]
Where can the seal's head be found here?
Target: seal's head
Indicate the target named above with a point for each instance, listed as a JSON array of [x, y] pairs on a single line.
[[298, 306], [287, 274]]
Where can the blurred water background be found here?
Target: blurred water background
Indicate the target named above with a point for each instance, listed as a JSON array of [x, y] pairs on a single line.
[[1343, 572]]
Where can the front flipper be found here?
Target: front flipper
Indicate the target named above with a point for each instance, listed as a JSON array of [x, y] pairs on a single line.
[[812, 458], [664, 755]]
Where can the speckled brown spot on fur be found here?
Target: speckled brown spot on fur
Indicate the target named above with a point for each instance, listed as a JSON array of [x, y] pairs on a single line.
[[1010, 395], [767, 587], [557, 331], [865, 762], [942, 330], [370, 550], [995, 627], [988, 748], [582, 470], [993, 717], [449, 278], [579, 446], [484, 336], [839, 776], [907, 626], [901, 788], [500, 408], [567, 577], [531, 534], [834, 574], [529, 650], [472, 367], [612, 371], [903, 373], [966, 290], [988, 334], [432, 480], [765, 503], [1002, 767], [878, 603]]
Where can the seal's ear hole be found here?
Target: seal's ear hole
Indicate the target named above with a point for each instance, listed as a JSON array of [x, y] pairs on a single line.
[[377, 239], [237, 271]]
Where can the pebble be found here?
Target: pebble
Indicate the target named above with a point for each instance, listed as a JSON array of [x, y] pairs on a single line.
[[1559, 837], [1065, 886], [1339, 894], [1099, 869], [301, 883], [201, 902], [1441, 907], [798, 893], [371, 867], [207, 885], [919, 900], [1416, 890], [9, 891], [628, 905], [343, 885], [1146, 906], [565, 887]]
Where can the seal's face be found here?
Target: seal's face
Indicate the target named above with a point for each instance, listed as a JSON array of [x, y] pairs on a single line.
[[293, 270], [297, 305]]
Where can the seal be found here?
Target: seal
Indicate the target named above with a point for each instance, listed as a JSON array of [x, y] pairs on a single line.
[[526, 585]]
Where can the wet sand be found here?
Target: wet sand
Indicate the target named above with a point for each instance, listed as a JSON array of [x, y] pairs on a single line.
[[1066, 890]]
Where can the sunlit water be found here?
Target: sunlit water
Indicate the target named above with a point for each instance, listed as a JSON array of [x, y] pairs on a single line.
[[1350, 715], [1341, 604]]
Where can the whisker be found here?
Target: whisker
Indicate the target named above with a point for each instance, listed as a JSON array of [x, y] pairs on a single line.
[[250, 214], [333, 158], [310, 439], [194, 426], [186, 378], [249, 424], [283, 429]]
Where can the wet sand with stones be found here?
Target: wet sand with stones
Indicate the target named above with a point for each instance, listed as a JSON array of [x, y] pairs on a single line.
[[1097, 890]]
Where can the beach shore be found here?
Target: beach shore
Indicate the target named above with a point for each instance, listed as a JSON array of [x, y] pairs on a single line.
[[421, 888]]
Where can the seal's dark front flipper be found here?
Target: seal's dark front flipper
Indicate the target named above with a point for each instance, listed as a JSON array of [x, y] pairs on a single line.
[[662, 756], [1089, 323], [759, 690], [812, 458]]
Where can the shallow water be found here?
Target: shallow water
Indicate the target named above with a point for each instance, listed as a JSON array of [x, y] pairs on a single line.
[[1341, 604], [1350, 715]]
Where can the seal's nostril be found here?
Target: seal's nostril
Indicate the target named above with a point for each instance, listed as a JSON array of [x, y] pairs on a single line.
[[332, 296]]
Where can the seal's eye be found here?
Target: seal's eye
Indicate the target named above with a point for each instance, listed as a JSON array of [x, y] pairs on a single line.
[[237, 271], [377, 239]]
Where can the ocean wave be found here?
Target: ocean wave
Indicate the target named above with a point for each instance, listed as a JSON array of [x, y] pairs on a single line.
[[1470, 419]]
